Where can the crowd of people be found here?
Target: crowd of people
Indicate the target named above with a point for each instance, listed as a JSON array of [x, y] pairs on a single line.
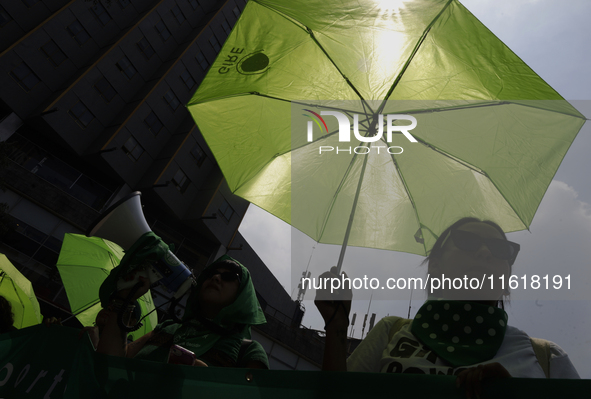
[[453, 333]]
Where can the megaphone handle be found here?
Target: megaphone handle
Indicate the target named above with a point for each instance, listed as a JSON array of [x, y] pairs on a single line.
[[123, 309]]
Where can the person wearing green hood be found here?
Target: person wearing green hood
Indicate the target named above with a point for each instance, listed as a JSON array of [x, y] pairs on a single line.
[[215, 327]]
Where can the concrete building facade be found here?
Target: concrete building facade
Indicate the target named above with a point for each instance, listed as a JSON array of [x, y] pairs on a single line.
[[92, 98]]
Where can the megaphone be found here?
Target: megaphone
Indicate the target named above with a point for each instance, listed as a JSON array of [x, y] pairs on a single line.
[[124, 224]]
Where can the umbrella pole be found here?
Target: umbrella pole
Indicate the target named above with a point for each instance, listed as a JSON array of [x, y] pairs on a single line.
[[351, 217]]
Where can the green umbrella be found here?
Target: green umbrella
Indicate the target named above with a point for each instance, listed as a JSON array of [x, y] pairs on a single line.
[[84, 263], [490, 133], [17, 289]]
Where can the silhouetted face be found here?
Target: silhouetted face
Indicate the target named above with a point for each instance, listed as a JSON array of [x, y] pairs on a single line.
[[468, 258], [219, 289]]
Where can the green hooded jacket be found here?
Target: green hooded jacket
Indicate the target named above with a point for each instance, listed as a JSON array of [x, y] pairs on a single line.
[[217, 342]]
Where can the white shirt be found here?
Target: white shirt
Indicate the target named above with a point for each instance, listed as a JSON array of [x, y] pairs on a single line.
[[406, 354]]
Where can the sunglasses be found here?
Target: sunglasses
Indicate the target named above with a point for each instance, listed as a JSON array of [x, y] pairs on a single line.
[[224, 275], [470, 242]]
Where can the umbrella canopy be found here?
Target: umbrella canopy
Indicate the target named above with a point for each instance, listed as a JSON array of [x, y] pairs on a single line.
[[490, 133], [17, 289], [84, 263]]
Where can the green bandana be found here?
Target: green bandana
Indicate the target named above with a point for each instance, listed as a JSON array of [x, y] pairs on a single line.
[[462, 333]]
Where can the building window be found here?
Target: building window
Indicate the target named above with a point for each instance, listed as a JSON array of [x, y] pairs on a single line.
[[162, 30], [178, 14], [24, 76], [105, 89], [60, 174], [226, 211], [198, 154], [146, 48], [214, 43], [4, 16], [133, 149], [226, 27], [125, 66], [154, 123], [194, 4], [26, 239], [53, 53], [188, 79], [123, 3], [181, 181], [30, 3], [202, 61], [101, 14], [78, 32], [172, 100], [81, 114], [236, 12]]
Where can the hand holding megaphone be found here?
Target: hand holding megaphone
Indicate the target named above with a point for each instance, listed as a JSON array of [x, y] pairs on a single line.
[[146, 255], [150, 258], [139, 292]]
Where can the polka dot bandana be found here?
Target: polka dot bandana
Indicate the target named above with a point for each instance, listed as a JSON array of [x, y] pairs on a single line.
[[462, 333]]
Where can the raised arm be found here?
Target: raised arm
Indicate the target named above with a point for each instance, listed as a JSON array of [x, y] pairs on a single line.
[[112, 339], [334, 308]]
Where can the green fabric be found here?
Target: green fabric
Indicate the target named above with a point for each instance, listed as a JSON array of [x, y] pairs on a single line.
[[84, 263], [254, 352], [55, 358], [193, 336], [462, 333], [148, 248], [491, 132], [196, 336], [244, 310], [17, 290]]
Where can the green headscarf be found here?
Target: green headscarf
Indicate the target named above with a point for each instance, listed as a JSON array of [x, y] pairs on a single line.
[[244, 310], [198, 334]]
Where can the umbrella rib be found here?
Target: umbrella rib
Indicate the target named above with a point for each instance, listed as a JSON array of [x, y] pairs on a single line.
[[410, 198], [283, 15], [414, 52], [489, 103], [549, 110], [457, 108], [311, 33], [334, 197], [348, 112], [455, 159], [86, 308], [296, 148]]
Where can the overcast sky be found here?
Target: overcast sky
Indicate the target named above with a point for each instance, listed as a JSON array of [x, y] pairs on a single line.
[[554, 38]]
